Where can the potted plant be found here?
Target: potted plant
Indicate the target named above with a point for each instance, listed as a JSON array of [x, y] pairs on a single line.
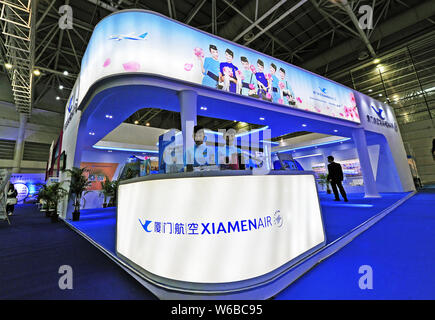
[[43, 199], [55, 193], [323, 181], [114, 200], [106, 190], [78, 187]]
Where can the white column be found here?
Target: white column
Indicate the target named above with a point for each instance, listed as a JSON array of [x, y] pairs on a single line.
[[188, 111], [370, 189], [19, 145]]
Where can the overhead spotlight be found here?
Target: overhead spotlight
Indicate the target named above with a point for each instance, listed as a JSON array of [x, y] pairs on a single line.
[[61, 87], [335, 130], [380, 68], [92, 133], [57, 98], [147, 124], [304, 125], [8, 66], [36, 72], [235, 121], [65, 73], [109, 116], [370, 90], [261, 118], [376, 61], [136, 122], [380, 94]]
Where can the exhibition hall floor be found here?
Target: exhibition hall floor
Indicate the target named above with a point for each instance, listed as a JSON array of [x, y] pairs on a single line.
[[32, 249], [398, 248]]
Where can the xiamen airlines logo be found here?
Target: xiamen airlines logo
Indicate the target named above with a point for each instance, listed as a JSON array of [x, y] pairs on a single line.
[[380, 120], [323, 90], [379, 112], [212, 228], [145, 225]]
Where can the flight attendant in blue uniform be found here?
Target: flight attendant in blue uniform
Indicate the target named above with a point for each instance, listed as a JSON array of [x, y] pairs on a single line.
[[249, 77], [274, 84], [286, 93], [210, 68], [261, 79], [229, 56]]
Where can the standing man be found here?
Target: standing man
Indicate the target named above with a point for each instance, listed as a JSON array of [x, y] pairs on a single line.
[[210, 68], [274, 83], [335, 177]]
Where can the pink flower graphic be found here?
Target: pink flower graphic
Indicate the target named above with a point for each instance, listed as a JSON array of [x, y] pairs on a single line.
[[240, 75], [252, 67], [268, 95], [106, 63], [280, 101], [198, 52], [131, 66], [352, 99], [188, 66], [251, 86], [281, 85], [299, 100], [268, 76]]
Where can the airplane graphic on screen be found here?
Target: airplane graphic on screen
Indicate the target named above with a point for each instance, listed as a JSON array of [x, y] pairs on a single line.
[[128, 37]]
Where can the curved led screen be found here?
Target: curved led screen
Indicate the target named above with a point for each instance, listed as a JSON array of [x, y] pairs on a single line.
[[146, 42]]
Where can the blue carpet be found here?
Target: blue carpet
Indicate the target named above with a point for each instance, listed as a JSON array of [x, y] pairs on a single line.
[[400, 250], [341, 217], [31, 251]]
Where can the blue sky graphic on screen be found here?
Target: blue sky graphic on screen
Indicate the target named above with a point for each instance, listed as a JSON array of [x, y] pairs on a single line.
[[149, 43]]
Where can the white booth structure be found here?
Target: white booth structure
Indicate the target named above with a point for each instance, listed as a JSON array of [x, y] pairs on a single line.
[[226, 233]]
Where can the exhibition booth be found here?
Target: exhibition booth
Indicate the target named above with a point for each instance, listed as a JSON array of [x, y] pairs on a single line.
[[216, 233]]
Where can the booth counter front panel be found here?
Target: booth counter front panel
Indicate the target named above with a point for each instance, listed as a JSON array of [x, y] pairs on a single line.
[[209, 232]]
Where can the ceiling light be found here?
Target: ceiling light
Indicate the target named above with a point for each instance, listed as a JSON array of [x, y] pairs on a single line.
[[61, 87], [8, 66], [57, 98], [147, 124], [109, 116], [380, 94], [376, 61], [335, 130], [92, 133], [261, 118], [36, 72], [65, 73], [136, 122], [370, 90], [304, 125]]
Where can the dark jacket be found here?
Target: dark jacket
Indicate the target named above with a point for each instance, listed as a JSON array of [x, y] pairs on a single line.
[[12, 194], [335, 172]]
